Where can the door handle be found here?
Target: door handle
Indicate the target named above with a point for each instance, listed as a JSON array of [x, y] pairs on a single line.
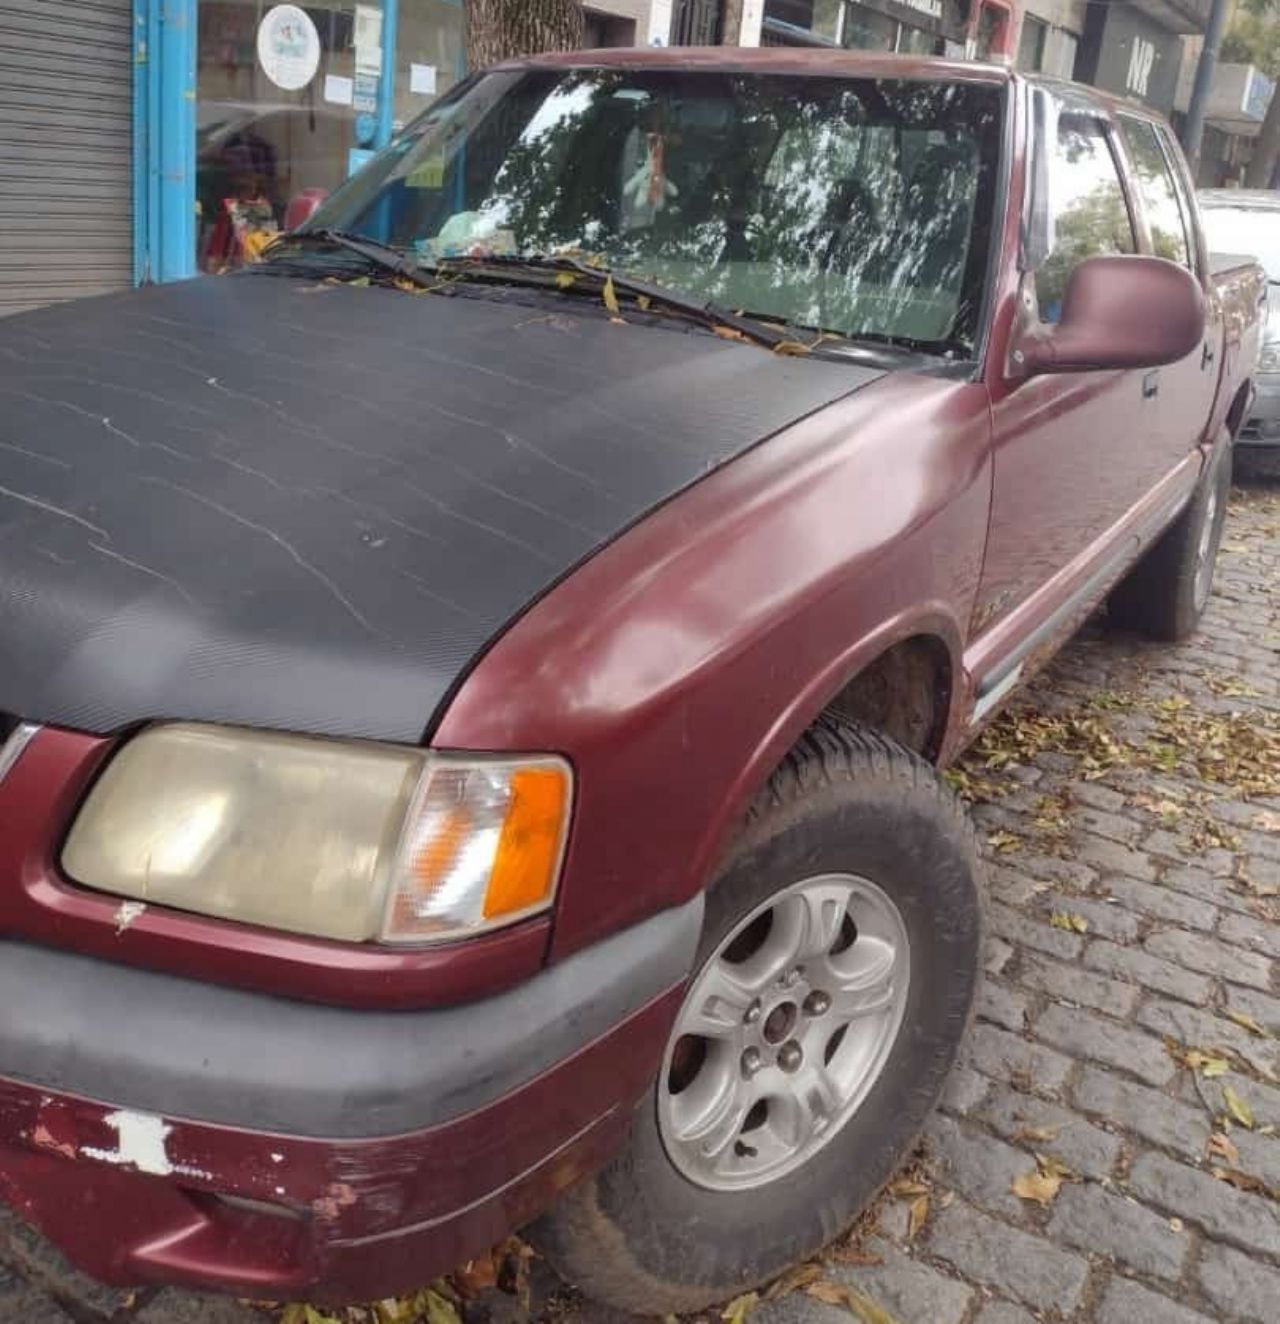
[[1151, 385]]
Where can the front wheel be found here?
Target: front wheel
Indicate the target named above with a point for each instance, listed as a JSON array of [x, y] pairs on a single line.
[[831, 991]]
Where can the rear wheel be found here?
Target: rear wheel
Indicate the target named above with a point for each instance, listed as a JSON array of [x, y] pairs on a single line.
[[1165, 594], [832, 987]]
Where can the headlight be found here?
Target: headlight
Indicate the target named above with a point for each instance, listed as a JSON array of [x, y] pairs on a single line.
[[359, 842], [1269, 360]]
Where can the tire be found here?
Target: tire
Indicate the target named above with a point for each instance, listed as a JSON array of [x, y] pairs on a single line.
[[1165, 594], [847, 809]]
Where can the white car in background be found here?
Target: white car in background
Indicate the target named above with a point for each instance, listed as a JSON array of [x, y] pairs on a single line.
[[1247, 221]]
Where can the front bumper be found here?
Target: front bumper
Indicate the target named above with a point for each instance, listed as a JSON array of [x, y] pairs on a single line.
[[1262, 427], [160, 1130]]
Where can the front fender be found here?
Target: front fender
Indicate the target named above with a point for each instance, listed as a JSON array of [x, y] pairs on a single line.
[[676, 667]]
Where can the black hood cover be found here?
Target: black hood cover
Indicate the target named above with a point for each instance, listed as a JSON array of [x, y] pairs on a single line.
[[275, 502]]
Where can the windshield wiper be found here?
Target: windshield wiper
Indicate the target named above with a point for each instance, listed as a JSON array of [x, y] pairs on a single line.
[[386, 257], [538, 266]]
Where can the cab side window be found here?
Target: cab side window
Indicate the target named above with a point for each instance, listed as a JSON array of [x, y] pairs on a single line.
[[1159, 193], [1091, 213]]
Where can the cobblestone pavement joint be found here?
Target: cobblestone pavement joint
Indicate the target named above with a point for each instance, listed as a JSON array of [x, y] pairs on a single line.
[[1068, 1057]]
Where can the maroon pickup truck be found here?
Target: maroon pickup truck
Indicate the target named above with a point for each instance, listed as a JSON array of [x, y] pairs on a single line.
[[475, 684]]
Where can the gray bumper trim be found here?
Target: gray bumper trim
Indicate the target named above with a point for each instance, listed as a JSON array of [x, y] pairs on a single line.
[[161, 1044]]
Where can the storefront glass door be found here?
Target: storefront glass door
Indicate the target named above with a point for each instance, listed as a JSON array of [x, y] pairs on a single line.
[[292, 98]]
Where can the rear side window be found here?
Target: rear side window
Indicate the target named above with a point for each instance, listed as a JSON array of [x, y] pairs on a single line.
[[1158, 190], [1091, 213]]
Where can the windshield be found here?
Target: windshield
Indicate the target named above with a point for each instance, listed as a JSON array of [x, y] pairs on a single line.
[[1248, 231], [855, 205]]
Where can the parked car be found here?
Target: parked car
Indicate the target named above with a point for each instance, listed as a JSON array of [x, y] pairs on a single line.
[[1248, 221], [478, 681]]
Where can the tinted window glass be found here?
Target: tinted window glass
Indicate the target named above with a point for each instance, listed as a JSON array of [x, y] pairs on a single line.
[[859, 206], [1159, 194], [1090, 210]]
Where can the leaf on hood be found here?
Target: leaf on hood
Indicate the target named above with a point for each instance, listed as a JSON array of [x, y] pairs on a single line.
[[1247, 1022], [840, 1294], [1223, 1147], [1237, 1107], [611, 297], [1069, 920], [917, 1216]]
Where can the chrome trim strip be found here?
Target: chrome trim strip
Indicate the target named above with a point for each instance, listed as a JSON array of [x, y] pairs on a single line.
[[11, 750]]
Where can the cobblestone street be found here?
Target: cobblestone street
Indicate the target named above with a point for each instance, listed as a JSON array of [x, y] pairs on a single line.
[[1123, 1070]]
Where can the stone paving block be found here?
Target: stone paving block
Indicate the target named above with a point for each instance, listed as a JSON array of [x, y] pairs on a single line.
[[1088, 1036], [965, 1090], [997, 1052], [996, 954], [1264, 1100], [1110, 857], [1126, 1302], [1203, 1029], [39, 1263], [1002, 1005], [1082, 1146], [27, 1305], [1149, 971], [1255, 935], [1150, 900], [980, 1167], [1263, 1008], [1012, 1261], [1104, 919], [1055, 869], [1210, 957], [174, 1307], [1155, 1117], [1004, 1312], [1251, 1221], [1016, 928], [1092, 1220], [1200, 883], [1098, 796], [1240, 1285], [1259, 1154], [1071, 984], [1013, 888], [1106, 824]]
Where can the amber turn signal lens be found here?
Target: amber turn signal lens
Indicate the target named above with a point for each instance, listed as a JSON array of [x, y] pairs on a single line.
[[528, 857], [482, 848]]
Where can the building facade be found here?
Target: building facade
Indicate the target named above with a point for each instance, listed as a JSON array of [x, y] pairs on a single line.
[[150, 140]]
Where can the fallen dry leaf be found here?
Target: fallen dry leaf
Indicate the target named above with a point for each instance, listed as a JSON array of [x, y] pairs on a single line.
[[794, 1279], [611, 297], [838, 1294], [1247, 1022], [1237, 1107], [1005, 842], [1043, 1183], [1242, 1181], [908, 1188], [1223, 1147], [916, 1218], [740, 1307], [1066, 919], [1037, 1134]]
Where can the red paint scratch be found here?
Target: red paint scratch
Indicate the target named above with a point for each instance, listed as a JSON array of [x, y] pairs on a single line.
[[43, 1138], [338, 1196]]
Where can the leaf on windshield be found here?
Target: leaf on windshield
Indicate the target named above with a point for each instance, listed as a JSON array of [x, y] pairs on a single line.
[[611, 297], [566, 279], [729, 333]]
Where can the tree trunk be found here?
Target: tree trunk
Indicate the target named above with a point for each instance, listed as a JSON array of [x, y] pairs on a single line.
[[1266, 147], [500, 29]]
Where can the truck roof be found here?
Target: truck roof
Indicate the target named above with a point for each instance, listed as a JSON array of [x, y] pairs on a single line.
[[769, 59]]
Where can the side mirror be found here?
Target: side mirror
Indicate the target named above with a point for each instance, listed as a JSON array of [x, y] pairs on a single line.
[[1118, 312]]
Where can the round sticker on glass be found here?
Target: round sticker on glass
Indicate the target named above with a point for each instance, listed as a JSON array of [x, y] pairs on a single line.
[[288, 47]]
